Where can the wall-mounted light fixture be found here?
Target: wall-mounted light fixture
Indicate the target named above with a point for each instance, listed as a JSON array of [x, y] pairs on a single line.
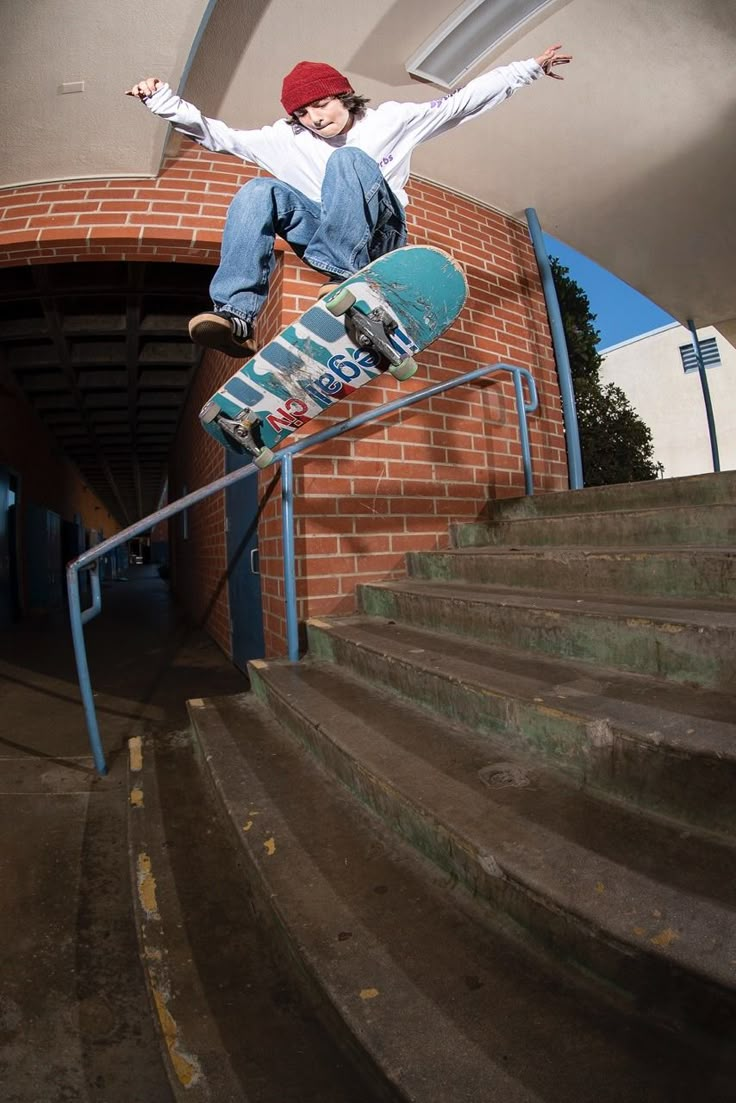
[[471, 32]]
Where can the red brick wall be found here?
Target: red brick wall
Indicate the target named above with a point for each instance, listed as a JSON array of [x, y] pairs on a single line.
[[198, 574], [363, 500]]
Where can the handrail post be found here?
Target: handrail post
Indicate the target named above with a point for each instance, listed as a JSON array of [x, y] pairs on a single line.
[[80, 654], [287, 529], [706, 395], [526, 454], [569, 411]]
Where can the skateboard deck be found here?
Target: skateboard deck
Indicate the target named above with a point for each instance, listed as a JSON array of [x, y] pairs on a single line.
[[374, 322]]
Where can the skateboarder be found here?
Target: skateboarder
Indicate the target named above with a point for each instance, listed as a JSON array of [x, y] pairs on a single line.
[[336, 191]]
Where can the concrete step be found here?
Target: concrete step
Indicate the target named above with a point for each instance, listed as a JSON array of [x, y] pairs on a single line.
[[683, 641], [437, 1002], [225, 1009], [667, 749], [709, 489], [621, 898], [709, 525], [687, 572]]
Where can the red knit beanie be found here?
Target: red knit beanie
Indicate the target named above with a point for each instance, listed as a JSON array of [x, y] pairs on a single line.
[[309, 81]]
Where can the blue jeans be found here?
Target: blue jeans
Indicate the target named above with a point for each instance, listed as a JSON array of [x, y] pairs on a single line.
[[358, 220]]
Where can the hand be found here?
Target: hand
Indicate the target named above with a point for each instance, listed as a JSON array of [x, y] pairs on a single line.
[[145, 88], [550, 58]]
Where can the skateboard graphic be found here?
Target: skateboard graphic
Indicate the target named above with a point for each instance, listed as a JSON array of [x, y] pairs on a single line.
[[375, 321]]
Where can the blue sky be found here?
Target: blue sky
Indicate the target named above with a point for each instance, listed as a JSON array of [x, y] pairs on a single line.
[[620, 311]]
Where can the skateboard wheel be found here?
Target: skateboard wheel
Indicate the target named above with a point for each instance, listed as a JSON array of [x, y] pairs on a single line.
[[405, 370], [340, 302], [209, 412], [264, 458]]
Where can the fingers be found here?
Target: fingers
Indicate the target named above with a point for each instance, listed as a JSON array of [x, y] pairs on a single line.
[[144, 88], [550, 54], [550, 58]]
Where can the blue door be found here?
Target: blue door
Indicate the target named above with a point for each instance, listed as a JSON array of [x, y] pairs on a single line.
[[244, 582], [43, 559]]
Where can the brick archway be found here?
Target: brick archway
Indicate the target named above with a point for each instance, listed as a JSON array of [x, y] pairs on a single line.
[[176, 217]]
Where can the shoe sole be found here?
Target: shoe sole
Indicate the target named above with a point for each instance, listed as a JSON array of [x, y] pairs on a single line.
[[326, 289], [215, 333]]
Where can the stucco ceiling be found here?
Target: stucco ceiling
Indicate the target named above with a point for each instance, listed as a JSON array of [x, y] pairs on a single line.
[[630, 160]]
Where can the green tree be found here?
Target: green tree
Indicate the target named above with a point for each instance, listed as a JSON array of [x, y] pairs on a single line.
[[615, 443]]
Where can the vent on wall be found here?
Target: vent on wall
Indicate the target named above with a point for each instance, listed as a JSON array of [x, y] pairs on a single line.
[[471, 32], [708, 350]]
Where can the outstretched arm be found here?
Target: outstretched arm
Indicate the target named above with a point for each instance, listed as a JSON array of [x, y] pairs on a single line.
[[189, 120], [427, 120]]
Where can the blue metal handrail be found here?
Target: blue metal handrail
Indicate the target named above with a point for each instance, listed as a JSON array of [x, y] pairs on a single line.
[[89, 560]]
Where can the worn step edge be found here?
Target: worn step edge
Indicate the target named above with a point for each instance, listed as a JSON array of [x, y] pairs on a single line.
[[194, 1055], [335, 976], [709, 488], [684, 572], [596, 934], [640, 527], [689, 645], [643, 755]]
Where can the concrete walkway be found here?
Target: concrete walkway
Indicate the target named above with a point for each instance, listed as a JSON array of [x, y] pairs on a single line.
[[74, 1013]]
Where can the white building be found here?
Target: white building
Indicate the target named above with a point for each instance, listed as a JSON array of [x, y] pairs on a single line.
[[659, 375]]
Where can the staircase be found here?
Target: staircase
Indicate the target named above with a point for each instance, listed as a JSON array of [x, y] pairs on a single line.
[[490, 819]]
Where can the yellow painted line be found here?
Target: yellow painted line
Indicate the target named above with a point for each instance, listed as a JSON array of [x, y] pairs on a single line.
[[196, 703], [186, 1066], [135, 752], [136, 797], [665, 938], [643, 622], [147, 887], [259, 664]]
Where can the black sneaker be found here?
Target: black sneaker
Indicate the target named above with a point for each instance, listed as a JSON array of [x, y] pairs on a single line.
[[223, 332]]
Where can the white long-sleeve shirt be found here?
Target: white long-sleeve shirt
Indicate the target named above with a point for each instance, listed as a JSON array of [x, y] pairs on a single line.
[[388, 133]]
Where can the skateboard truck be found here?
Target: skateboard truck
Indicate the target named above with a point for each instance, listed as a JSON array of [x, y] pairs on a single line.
[[371, 330], [243, 429]]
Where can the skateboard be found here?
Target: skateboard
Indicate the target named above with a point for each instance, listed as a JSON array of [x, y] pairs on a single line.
[[376, 321]]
